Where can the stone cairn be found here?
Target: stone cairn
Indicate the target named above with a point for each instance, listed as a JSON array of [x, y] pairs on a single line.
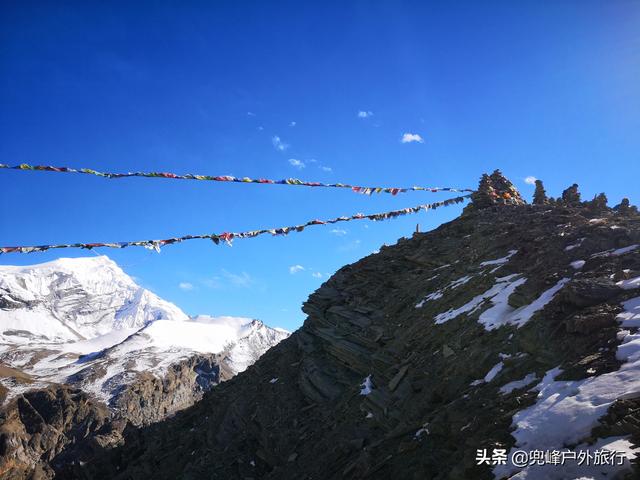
[[494, 190], [598, 204], [571, 196], [625, 207], [540, 195]]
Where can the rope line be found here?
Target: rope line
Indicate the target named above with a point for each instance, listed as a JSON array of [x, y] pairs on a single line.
[[228, 237], [229, 178]]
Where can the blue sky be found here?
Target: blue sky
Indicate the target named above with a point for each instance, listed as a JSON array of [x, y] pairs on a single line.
[[544, 89]]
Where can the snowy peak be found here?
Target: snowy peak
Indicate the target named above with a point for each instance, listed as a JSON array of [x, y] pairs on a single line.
[[96, 275], [85, 322], [72, 299]]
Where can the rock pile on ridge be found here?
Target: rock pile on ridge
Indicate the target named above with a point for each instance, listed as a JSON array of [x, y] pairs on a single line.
[[571, 196], [494, 190], [625, 207], [540, 196], [413, 359]]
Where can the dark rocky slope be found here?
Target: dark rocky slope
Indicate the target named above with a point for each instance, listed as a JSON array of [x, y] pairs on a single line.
[[150, 398], [44, 429], [299, 412]]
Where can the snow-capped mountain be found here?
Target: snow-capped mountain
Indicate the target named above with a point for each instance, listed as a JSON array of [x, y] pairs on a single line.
[[74, 299], [85, 322]]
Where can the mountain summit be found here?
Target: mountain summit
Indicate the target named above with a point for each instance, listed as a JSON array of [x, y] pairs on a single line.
[[72, 299]]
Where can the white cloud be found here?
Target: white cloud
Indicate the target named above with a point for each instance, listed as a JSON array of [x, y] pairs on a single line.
[[260, 128], [316, 275], [278, 144], [365, 114], [239, 280], [312, 160], [292, 124], [530, 180], [185, 286], [339, 232], [326, 169], [411, 137], [297, 163], [251, 114], [293, 269]]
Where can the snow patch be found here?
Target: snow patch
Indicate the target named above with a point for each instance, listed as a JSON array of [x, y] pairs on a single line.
[[629, 284], [572, 469], [617, 252], [497, 368], [440, 293], [575, 245], [501, 313], [630, 317], [622, 251], [503, 283], [499, 261], [430, 297], [492, 373], [421, 431], [566, 411], [202, 334], [459, 282], [366, 387], [578, 264], [516, 384]]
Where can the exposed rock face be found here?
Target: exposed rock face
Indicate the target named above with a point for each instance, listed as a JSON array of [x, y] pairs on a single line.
[[412, 359], [44, 429], [151, 398]]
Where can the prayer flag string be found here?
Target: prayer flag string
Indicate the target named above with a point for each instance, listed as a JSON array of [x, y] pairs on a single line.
[[229, 178], [228, 237]]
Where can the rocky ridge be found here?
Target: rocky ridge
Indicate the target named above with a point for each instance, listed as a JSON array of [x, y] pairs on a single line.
[[513, 326]]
